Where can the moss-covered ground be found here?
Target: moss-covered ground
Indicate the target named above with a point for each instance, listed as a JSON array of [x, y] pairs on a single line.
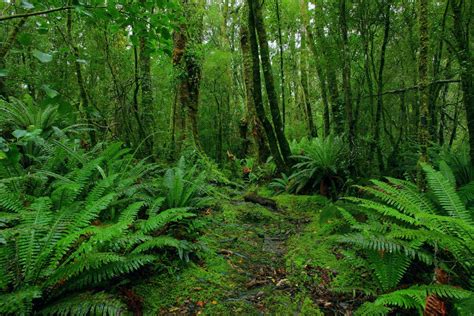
[[254, 261]]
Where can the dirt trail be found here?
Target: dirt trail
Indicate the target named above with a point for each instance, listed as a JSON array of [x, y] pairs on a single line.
[[244, 271]]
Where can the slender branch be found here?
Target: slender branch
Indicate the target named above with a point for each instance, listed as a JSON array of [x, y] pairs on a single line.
[[28, 14], [416, 87]]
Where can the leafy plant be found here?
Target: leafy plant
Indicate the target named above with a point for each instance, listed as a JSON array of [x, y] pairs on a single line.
[[320, 162], [81, 231], [183, 186], [401, 225]]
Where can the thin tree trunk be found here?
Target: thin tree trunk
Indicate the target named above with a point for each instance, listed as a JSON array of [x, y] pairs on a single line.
[[312, 131], [80, 79], [136, 110], [257, 92], [463, 55], [282, 72], [376, 149], [423, 132], [4, 49], [256, 124], [147, 91], [319, 70], [346, 81], [269, 83]]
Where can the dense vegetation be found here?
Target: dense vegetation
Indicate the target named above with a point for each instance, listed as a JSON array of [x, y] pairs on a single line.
[[236, 157]]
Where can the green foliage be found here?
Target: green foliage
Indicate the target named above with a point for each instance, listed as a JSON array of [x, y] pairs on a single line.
[[401, 224], [89, 219], [320, 165], [183, 185], [413, 297]]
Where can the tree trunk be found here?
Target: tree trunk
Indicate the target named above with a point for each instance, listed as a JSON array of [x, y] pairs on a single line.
[[463, 55], [80, 79], [282, 70], [269, 83], [147, 92], [346, 81], [312, 131], [4, 49], [423, 131], [376, 149], [319, 69], [257, 93], [187, 64], [255, 122]]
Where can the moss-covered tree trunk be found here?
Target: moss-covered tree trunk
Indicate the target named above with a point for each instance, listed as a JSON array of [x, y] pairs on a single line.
[[346, 81], [463, 54], [258, 132], [256, 8], [147, 90], [257, 93], [423, 131], [312, 131], [187, 64], [319, 70], [376, 145]]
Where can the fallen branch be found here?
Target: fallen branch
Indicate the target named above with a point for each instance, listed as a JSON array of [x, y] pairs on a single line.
[[254, 198]]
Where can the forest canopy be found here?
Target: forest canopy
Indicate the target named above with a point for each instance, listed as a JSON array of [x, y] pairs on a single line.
[[271, 153]]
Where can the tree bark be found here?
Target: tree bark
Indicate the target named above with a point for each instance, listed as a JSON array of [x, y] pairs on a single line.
[[376, 148], [312, 131], [80, 80], [258, 132], [4, 49], [319, 70], [346, 81], [269, 83], [257, 92], [463, 55], [147, 91], [423, 131], [188, 67], [282, 70]]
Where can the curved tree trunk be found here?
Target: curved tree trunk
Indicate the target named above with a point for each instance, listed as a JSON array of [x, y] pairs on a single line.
[[257, 93], [269, 83]]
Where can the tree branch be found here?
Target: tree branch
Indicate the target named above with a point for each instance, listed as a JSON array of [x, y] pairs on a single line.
[[28, 14], [416, 87]]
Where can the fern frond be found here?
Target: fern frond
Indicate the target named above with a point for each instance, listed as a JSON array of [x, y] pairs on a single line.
[[86, 304], [160, 220], [446, 194], [19, 302]]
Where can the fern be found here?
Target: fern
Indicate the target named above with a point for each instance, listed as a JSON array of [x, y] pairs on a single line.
[[86, 304], [402, 224], [80, 230], [412, 298]]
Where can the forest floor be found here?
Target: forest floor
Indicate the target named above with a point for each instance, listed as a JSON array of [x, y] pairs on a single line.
[[257, 260]]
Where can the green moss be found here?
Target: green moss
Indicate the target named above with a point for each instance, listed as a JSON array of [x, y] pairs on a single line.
[[301, 203], [314, 249]]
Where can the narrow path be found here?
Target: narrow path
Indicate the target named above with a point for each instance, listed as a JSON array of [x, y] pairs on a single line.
[[244, 270]]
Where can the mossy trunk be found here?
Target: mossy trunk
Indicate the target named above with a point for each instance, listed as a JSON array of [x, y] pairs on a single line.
[[283, 144]]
